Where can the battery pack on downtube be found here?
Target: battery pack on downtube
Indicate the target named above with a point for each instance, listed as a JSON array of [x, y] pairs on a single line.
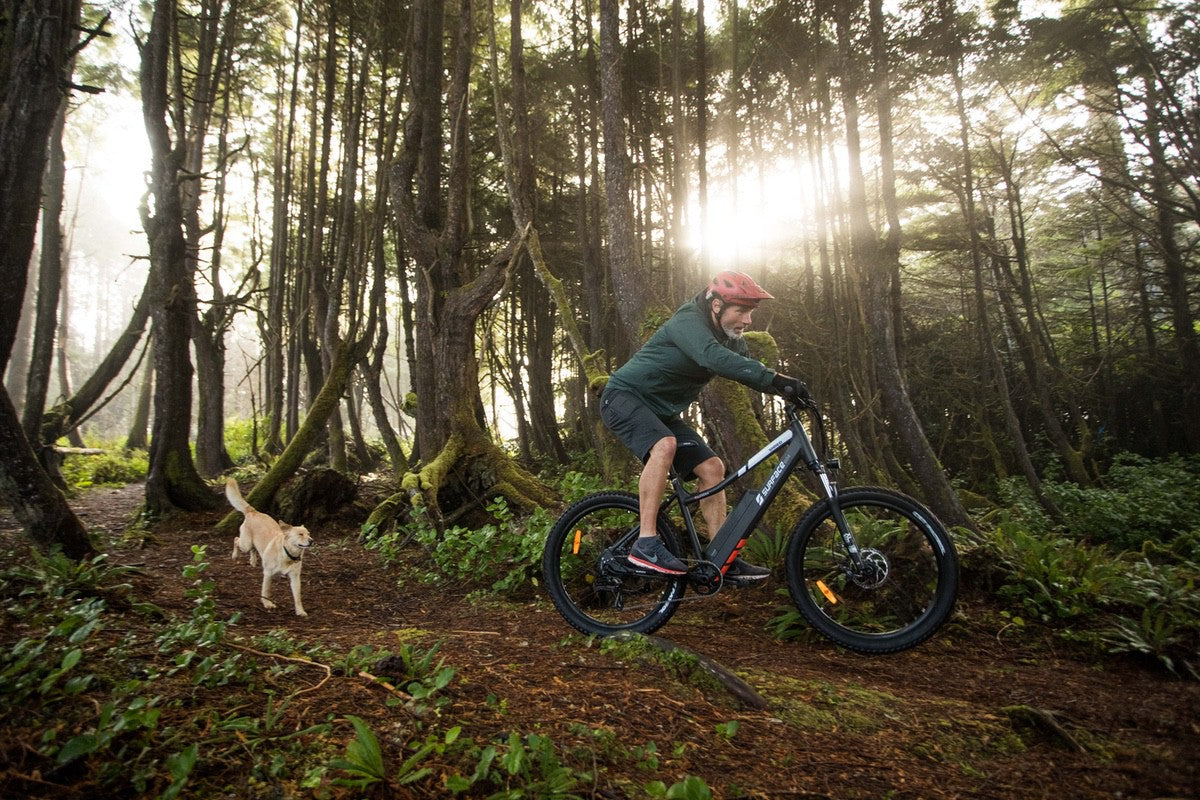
[[749, 511]]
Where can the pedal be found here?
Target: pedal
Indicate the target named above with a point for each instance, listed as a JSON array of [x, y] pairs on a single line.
[[743, 583]]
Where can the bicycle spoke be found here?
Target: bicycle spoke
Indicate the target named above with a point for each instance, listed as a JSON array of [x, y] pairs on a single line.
[[897, 592]]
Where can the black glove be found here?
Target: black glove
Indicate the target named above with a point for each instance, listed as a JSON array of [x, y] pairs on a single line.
[[790, 387]]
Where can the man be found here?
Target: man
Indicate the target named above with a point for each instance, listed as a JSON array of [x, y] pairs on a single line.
[[644, 399]]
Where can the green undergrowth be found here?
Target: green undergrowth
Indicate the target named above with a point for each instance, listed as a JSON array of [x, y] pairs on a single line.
[[106, 691], [113, 466], [502, 556], [1118, 573]]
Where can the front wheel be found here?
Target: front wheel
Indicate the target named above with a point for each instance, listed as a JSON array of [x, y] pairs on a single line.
[[586, 574], [900, 589]]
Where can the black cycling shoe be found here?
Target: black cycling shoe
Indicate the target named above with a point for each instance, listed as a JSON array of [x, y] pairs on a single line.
[[649, 552], [743, 573]]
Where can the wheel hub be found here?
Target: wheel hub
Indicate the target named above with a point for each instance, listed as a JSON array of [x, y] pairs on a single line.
[[873, 572]]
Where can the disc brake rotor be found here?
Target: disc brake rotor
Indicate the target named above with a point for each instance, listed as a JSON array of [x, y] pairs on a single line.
[[873, 572]]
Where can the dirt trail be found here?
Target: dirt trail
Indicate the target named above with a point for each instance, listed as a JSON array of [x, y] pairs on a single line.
[[978, 712]]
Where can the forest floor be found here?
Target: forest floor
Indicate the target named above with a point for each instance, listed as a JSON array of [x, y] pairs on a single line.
[[983, 710]]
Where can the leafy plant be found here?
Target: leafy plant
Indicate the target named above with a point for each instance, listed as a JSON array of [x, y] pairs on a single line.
[[364, 758], [1157, 634], [767, 548], [504, 555], [727, 730], [1121, 602], [1053, 577], [179, 766], [1140, 501], [418, 670], [526, 767], [690, 788], [789, 624], [192, 642]]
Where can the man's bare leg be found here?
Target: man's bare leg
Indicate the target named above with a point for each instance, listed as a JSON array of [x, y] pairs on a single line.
[[708, 474], [653, 484]]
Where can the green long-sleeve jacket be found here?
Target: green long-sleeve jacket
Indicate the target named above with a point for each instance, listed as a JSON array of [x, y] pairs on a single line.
[[671, 369]]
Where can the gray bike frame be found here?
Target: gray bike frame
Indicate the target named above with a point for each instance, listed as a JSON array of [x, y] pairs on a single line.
[[731, 538]]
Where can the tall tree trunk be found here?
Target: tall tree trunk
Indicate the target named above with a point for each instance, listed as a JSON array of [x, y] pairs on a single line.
[[430, 187], [61, 357], [38, 37], [991, 357], [274, 324], [50, 282], [16, 377], [211, 325], [137, 439], [633, 294], [1166, 220], [172, 481], [875, 264], [324, 306]]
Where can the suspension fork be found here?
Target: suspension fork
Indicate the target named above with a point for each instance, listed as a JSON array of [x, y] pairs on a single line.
[[829, 485], [839, 519]]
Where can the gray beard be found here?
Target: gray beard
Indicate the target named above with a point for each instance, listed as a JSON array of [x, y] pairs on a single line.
[[732, 334]]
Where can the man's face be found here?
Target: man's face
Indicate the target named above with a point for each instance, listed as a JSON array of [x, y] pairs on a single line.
[[732, 318]]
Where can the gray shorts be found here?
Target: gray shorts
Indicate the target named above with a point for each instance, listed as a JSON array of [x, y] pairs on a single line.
[[640, 429]]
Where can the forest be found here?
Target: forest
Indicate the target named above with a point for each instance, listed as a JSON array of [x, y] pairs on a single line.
[[375, 260]]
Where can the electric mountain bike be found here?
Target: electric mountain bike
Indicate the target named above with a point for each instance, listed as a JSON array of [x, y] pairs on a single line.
[[870, 568]]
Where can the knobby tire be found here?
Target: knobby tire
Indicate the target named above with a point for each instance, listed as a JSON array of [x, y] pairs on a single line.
[[600, 600], [911, 591]]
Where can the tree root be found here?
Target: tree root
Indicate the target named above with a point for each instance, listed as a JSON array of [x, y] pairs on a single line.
[[461, 456], [1043, 722], [741, 691]]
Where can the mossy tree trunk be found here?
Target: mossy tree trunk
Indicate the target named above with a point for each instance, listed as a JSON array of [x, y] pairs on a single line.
[[430, 192], [36, 41], [172, 481]]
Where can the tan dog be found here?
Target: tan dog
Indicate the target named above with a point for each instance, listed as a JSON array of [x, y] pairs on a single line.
[[281, 546]]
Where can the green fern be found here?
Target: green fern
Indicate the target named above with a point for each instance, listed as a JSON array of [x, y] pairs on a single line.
[[364, 758]]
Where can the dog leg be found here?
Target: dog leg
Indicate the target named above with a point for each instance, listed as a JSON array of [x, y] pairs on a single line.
[[234, 554], [294, 577], [266, 590]]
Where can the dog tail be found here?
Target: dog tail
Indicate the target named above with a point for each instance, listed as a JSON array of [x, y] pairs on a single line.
[[235, 497]]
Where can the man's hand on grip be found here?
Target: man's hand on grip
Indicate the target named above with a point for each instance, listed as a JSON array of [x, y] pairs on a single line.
[[788, 386]]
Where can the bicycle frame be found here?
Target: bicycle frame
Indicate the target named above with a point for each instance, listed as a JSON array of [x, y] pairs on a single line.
[[797, 448]]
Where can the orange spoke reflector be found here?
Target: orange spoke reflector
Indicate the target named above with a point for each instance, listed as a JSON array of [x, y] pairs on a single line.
[[825, 590], [575, 544]]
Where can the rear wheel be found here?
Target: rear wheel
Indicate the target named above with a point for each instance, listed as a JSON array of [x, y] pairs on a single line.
[[586, 574], [901, 590]]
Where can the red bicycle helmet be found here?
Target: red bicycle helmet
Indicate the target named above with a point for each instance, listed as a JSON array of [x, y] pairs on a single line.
[[738, 288]]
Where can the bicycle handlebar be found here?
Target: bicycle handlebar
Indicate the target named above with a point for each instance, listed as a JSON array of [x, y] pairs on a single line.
[[806, 402]]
